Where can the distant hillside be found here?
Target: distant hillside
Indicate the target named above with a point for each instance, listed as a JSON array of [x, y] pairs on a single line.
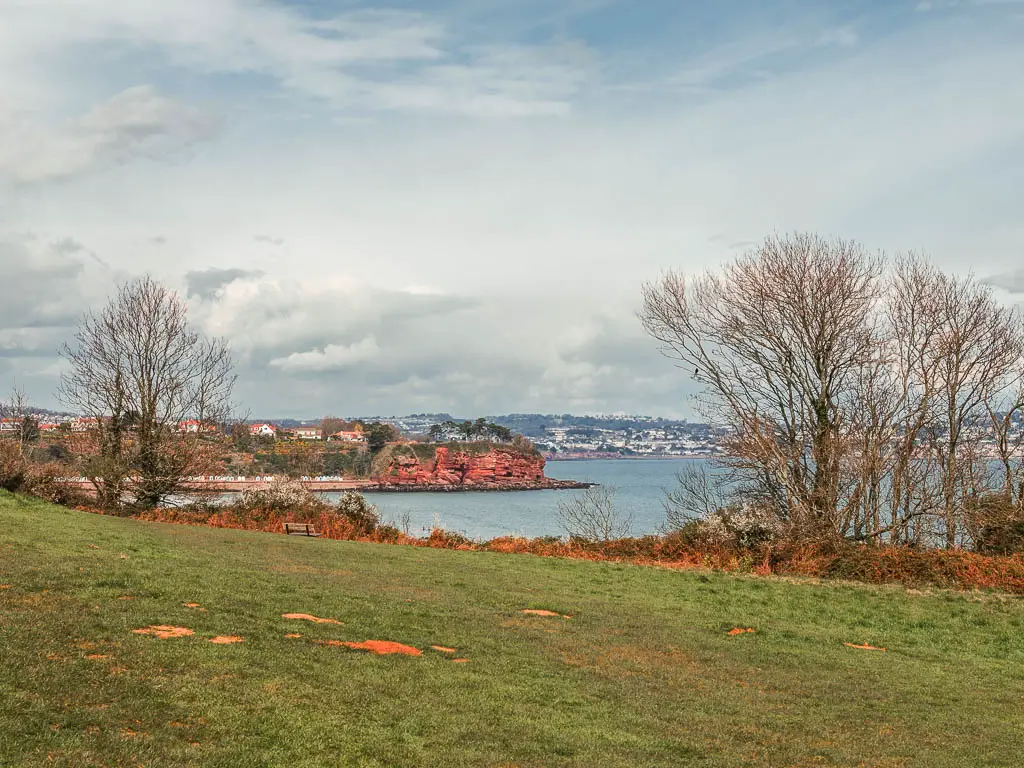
[[537, 424]]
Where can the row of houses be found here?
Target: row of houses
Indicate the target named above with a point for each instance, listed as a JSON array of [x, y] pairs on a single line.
[[193, 426], [305, 433], [10, 426]]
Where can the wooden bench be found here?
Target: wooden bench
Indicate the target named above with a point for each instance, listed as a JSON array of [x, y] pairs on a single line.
[[300, 529]]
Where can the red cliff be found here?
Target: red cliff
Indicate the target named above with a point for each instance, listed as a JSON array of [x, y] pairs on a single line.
[[453, 469]]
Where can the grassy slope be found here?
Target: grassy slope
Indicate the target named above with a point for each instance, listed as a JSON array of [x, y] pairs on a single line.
[[643, 674]]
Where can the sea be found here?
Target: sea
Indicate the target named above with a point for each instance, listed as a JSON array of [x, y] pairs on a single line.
[[640, 486]]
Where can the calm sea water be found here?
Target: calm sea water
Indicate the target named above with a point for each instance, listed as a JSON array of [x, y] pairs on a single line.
[[640, 487]]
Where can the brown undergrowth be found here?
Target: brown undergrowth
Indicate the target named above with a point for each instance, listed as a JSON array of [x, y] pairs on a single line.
[[954, 569]]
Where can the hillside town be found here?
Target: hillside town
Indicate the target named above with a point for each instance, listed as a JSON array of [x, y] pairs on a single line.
[[600, 436], [558, 437]]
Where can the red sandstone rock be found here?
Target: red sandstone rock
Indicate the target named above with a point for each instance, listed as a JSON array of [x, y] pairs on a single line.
[[452, 468]]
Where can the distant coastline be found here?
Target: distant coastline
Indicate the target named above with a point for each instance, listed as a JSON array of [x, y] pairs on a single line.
[[619, 457]]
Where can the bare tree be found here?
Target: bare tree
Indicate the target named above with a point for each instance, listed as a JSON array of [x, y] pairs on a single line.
[[698, 495], [140, 370], [330, 425], [1005, 415], [978, 350], [776, 339], [15, 410], [592, 515], [869, 410]]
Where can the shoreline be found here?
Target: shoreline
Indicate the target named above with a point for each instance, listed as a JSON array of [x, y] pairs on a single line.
[[370, 486], [679, 457], [551, 484]]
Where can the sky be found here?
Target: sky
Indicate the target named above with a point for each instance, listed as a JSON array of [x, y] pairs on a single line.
[[452, 205]]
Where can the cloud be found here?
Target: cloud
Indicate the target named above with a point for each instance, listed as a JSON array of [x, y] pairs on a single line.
[[66, 246], [332, 357], [206, 283], [365, 59], [519, 174], [46, 290], [352, 348], [137, 122], [1011, 282]]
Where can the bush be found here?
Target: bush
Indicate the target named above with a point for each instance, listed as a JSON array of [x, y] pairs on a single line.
[[19, 475], [748, 526], [44, 481], [359, 513], [1005, 537], [387, 534], [279, 496], [442, 539], [998, 524], [13, 467]]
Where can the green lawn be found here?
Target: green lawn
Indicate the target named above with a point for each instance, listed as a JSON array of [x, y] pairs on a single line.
[[643, 674]]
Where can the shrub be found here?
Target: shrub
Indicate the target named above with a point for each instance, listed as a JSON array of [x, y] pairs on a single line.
[[387, 534], [279, 496], [44, 481], [442, 539], [1005, 537], [13, 467], [749, 526], [359, 513], [998, 524]]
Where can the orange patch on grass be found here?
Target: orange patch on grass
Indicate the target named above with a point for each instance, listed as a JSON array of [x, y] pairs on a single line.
[[442, 649], [164, 632], [382, 647], [192, 605], [739, 631], [460, 661], [5, 586], [293, 636], [307, 617], [226, 640], [96, 656], [126, 597], [541, 612], [864, 647]]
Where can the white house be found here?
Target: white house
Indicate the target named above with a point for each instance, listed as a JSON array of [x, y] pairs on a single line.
[[307, 433], [348, 437], [263, 430], [194, 426]]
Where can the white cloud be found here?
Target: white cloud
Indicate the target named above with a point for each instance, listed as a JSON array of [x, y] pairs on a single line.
[[485, 206], [137, 122], [333, 357], [355, 60]]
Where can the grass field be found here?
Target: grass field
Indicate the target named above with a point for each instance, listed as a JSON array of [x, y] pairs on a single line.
[[642, 674]]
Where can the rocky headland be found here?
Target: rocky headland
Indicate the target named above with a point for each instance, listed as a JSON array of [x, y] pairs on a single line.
[[456, 468]]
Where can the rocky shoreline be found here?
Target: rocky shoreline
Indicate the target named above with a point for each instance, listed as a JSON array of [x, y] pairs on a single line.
[[548, 484]]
